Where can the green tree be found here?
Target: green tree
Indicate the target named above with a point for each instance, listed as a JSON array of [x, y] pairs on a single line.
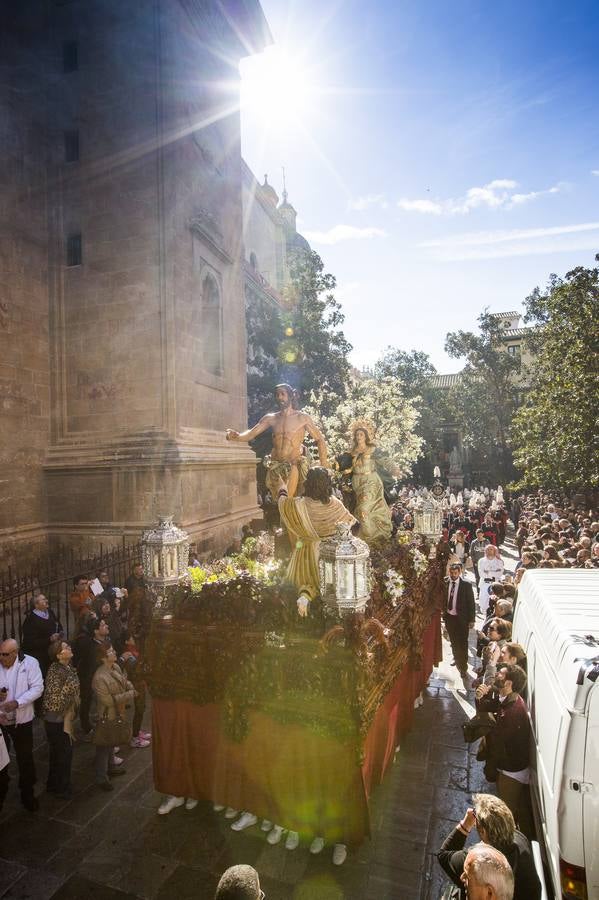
[[314, 352], [484, 401], [415, 370], [555, 432], [383, 402], [301, 343], [412, 367], [265, 332]]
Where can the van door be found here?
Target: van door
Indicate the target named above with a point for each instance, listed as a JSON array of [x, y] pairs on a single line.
[[590, 795]]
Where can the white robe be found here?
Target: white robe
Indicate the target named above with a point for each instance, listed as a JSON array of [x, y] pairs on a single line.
[[488, 568]]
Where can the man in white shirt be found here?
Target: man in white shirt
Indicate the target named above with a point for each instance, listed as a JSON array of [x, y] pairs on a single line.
[[21, 684]]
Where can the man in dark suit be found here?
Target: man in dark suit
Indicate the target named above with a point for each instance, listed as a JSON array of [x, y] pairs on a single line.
[[459, 616]]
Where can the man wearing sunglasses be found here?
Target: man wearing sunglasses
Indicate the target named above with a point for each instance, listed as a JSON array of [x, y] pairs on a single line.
[[21, 684], [239, 883]]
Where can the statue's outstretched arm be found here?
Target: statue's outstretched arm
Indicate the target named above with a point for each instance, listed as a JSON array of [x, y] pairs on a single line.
[[263, 425]]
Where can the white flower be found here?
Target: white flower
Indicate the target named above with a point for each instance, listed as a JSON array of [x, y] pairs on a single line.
[[419, 560], [394, 585]]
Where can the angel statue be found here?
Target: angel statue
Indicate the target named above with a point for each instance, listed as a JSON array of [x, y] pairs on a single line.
[[372, 473]]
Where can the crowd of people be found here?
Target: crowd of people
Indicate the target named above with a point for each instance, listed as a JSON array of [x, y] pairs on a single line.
[[549, 532], [90, 688]]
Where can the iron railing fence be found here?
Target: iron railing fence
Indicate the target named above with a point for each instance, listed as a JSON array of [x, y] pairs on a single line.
[[53, 576]]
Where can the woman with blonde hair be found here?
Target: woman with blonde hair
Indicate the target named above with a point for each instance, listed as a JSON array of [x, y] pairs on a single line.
[[370, 467]]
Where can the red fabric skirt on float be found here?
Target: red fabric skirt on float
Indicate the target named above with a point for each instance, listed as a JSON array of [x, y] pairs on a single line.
[[302, 780]]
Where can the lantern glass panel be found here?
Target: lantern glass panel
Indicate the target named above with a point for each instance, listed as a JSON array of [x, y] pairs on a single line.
[[345, 580], [328, 573], [361, 589]]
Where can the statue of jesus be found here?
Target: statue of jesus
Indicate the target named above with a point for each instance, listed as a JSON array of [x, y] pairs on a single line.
[[289, 426]]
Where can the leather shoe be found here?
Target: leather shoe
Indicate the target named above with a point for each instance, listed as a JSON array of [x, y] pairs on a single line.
[[105, 786]]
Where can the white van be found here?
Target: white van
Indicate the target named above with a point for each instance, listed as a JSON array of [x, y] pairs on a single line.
[[557, 622]]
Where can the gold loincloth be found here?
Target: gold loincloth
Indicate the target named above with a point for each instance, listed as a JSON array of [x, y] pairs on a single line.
[[282, 469]]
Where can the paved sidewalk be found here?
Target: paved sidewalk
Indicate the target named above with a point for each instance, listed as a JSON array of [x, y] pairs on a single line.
[[113, 847], [116, 846]]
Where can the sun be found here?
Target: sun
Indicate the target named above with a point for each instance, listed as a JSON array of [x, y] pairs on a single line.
[[277, 88]]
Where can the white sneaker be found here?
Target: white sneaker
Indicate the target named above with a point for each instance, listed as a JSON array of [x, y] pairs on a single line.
[[246, 820], [117, 761], [218, 807], [275, 835], [317, 845], [231, 813], [292, 840], [190, 803], [169, 804], [339, 854], [266, 825]]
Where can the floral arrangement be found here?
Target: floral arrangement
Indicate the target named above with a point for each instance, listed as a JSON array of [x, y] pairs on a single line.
[[394, 585], [255, 559], [419, 560]]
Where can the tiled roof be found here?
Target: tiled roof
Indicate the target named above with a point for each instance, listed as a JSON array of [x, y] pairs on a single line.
[[514, 333], [505, 315], [445, 381]]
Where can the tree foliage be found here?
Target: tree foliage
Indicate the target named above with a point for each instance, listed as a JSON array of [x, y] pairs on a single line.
[[555, 432], [314, 354], [485, 398], [415, 371], [383, 402], [301, 344]]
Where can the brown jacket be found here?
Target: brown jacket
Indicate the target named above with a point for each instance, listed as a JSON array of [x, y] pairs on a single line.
[[111, 690]]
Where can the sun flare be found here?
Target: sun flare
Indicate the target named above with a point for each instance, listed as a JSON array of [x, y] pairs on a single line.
[[276, 88]]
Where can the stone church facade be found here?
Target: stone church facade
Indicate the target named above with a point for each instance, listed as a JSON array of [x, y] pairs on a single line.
[[122, 314]]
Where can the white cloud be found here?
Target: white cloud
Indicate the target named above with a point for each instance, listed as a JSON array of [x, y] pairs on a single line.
[[422, 206], [515, 242], [368, 201], [343, 233], [595, 172], [497, 194]]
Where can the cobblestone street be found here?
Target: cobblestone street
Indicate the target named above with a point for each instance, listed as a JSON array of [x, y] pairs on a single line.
[[117, 846]]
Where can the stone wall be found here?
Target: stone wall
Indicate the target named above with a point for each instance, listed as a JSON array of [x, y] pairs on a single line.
[[140, 397], [24, 350], [263, 233]]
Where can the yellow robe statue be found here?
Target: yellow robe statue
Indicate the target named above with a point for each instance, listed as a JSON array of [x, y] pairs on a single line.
[[307, 522]]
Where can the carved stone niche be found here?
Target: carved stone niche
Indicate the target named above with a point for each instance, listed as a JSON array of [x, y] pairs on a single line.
[[206, 226]]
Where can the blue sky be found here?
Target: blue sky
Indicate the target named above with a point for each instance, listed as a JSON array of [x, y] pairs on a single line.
[[440, 155]]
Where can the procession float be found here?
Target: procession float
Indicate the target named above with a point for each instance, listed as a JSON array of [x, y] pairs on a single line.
[[295, 718]]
